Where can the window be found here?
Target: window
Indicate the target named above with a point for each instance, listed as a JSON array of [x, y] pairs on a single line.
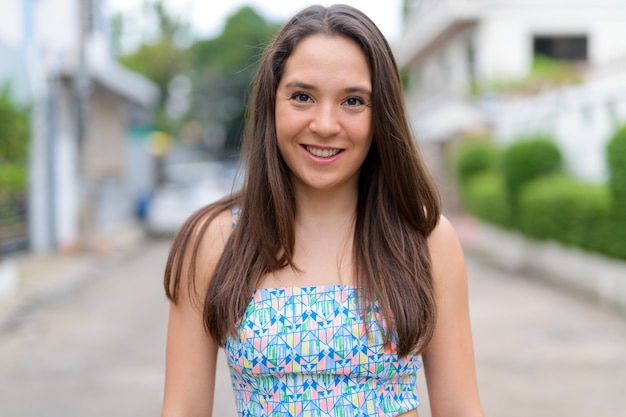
[[565, 48]]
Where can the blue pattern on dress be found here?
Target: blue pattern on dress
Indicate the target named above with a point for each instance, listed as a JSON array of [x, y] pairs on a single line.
[[306, 351]]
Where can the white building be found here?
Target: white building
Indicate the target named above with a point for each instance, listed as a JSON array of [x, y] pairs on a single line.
[[81, 99], [449, 46]]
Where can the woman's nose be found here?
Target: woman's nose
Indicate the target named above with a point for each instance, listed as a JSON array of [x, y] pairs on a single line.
[[325, 121]]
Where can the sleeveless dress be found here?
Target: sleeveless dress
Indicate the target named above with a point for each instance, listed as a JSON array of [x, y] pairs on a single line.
[[310, 351]]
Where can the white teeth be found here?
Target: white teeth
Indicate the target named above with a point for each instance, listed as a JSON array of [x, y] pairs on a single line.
[[322, 153]]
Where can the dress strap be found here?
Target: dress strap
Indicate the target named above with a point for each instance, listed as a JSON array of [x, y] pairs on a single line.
[[235, 212]]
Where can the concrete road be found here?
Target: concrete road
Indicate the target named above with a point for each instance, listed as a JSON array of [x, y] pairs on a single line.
[[99, 350], [96, 351], [543, 353]]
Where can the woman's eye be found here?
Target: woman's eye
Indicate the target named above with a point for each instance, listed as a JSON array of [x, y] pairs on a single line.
[[354, 101], [301, 97]]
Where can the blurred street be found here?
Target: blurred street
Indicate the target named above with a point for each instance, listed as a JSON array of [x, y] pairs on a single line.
[[97, 349], [120, 118], [543, 353]]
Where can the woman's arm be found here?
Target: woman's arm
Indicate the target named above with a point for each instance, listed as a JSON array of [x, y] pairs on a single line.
[[191, 352], [449, 357]]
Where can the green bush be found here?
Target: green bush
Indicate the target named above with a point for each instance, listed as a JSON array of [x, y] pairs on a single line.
[[616, 158], [525, 160], [484, 196], [612, 236], [526, 191], [474, 156], [14, 138], [574, 213]]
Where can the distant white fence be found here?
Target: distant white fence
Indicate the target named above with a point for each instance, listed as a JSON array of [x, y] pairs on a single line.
[[581, 119]]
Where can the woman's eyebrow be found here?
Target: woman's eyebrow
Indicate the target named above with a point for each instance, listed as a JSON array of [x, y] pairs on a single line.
[[301, 85], [306, 86], [359, 90]]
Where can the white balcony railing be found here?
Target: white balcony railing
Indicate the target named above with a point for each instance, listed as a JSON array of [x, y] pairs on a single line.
[[431, 23]]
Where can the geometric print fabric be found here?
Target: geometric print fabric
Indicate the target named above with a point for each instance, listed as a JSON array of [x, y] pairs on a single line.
[[309, 351]]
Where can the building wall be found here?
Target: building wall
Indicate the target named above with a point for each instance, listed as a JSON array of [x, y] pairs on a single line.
[[608, 40], [103, 153], [449, 71], [109, 201], [502, 49], [504, 34], [580, 118], [66, 198]]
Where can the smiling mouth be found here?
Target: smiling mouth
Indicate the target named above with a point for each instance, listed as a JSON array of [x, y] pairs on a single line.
[[322, 153]]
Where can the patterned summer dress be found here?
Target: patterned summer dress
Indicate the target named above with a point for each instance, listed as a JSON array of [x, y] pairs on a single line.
[[306, 351]]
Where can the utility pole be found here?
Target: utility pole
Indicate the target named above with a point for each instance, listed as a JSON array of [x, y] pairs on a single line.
[[40, 195], [82, 95], [81, 82]]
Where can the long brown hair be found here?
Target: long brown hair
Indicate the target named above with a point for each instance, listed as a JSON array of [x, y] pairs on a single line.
[[398, 205]]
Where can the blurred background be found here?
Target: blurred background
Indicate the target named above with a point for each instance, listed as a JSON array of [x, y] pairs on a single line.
[[120, 118]]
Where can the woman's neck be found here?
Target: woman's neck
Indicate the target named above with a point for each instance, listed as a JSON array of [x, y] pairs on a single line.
[[326, 209]]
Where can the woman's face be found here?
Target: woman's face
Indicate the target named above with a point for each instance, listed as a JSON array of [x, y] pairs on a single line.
[[324, 114]]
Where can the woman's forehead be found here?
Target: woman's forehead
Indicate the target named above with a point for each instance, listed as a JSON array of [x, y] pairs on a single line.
[[319, 60]]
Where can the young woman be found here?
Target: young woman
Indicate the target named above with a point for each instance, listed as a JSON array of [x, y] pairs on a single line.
[[331, 270]]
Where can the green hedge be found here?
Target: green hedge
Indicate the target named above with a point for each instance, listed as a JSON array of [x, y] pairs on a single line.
[[564, 209], [472, 157], [526, 159], [484, 195], [616, 158], [574, 213], [522, 188]]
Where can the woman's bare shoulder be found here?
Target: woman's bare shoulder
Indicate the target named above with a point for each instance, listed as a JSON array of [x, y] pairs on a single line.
[[443, 233], [209, 233], [445, 250], [196, 249]]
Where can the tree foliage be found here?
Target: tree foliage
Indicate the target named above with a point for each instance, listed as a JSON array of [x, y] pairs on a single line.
[[220, 69], [223, 69], [238, 48], [160, 59], [14, 139]]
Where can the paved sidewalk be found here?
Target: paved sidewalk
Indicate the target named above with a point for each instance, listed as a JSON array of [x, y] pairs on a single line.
[[43, 278], [96, 349], [541, 352], [594, 277], [545, 346]]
